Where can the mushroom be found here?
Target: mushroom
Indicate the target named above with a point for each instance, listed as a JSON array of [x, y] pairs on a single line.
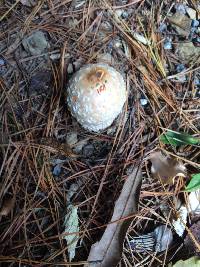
[[96, 95]]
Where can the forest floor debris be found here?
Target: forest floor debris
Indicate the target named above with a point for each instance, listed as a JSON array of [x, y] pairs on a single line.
[[45, 154]]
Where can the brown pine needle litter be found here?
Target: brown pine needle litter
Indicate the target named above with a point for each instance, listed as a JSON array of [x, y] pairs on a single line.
[[48, 162]]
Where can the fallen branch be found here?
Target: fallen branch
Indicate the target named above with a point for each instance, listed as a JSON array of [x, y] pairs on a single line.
[[107, 252]]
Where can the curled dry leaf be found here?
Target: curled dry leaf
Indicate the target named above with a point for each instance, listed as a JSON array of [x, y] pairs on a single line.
[[7, 206], [107, 252], [165, 168]]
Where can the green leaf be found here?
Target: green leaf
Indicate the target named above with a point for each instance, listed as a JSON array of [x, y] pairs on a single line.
[[178, 138], [194, 183], [191, 262]]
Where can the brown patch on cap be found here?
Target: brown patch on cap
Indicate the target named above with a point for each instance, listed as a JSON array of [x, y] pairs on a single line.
[[94, 76]]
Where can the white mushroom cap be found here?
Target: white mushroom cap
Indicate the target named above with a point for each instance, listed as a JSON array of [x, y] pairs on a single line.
[[96, 95]]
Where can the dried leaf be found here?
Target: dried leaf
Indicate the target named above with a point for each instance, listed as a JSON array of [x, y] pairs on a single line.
[[165, 168], [71, 225], [107, 252], [7, 206]]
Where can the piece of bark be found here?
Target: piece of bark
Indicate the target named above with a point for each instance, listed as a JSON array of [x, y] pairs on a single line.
[[107, 252]]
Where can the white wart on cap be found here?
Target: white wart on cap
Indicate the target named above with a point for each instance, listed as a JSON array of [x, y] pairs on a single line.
[[96, 95]]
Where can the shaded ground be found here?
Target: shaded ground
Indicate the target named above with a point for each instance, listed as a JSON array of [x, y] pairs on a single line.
[[44, 151]]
